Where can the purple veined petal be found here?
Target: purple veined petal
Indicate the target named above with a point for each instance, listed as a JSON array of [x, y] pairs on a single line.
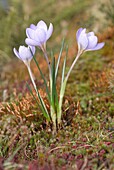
[[92, 42], [78, 33], [90, 34], [16, 53], [41, 24], [32, 26], [31, 42], [49, 31], [32, 49], [40, 36], [98, 46], [30, 33], [83, 41]]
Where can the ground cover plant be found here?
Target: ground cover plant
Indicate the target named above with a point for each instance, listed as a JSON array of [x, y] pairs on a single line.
[[37, 35], [85, 139]]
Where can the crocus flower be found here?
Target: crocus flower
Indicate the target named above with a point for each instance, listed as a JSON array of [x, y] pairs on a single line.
[[25, 53], [39, 34], [87, 41]]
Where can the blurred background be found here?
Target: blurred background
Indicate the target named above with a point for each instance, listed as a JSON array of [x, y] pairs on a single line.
[[66, 15]]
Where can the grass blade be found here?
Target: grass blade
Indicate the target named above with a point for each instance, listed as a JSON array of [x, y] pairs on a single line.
[[29, 88], [41, 105], [45, 83], [53, 81], [54, 90], [43, 108]]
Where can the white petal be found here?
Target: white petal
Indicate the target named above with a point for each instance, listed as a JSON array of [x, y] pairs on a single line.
[[25, 53], [49, 32], [99, 46], [42, 24], [16, 53], [28, 55], [78, 33], [92, 42], [30, 33], [90, 34], [22, 49], [31, 42], [83, 41], [32, 49], [40, 36], [83, 31], [32, 26]]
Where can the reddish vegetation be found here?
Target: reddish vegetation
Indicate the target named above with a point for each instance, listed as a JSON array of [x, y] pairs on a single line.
[[85, 141]]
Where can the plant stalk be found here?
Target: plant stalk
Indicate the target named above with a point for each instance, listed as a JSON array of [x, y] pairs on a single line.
[[74, 62], [62, 91], [32, 79]]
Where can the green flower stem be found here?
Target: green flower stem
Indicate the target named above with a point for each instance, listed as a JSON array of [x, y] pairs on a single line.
[[63, 86], [46, 57], [74, 62], [52, 104], [43, 107], [32, 79]]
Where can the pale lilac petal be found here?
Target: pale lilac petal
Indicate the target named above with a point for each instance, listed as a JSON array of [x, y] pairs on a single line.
[[78, 33], [98, 46], [83, 41], [32, 49], [31, 42], [22, 51], [87, 41], [92, 42], [28, 55], [40, 36], [25, 53], [83, 31], [42, 24], [22, 48], [16, 53], [30, 33], [32, 26], [90, 34], [49, 32]]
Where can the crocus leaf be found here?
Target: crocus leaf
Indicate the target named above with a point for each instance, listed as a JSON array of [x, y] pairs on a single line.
[[45, 83], [54, 90], [43, 108], [41, 105], [29, 88], [53, 80], [59, 57], [64, 65]]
